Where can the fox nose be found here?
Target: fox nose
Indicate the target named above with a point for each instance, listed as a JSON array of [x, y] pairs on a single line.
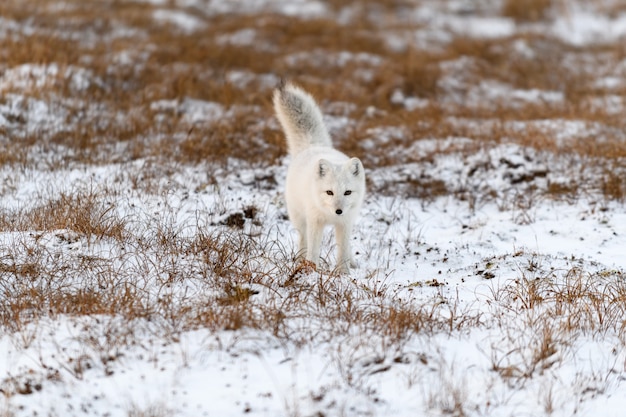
[[338, 211]]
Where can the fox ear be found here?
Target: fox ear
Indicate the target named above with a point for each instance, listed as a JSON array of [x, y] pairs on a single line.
[[356, 167], [323, 167]]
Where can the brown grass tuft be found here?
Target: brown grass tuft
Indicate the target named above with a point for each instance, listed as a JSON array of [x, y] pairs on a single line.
[[614, 185], [83, 213], [527, 10]]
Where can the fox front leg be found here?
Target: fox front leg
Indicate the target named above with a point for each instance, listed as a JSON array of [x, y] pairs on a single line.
[[302, 238], [345, 261], [313, 242]]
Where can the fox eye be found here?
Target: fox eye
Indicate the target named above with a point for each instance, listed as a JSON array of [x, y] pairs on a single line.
[[347, 192], [329, 192]]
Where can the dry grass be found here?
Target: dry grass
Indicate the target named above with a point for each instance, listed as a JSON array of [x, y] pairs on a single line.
[[126, 72], [576, 303], [200, 66], [239, 282], [153, 410], [125, 89], [527, 10]]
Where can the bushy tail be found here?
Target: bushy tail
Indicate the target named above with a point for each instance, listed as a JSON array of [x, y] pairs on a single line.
[[300, 118]]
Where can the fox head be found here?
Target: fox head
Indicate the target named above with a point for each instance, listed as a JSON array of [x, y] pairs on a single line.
[[340, 187]]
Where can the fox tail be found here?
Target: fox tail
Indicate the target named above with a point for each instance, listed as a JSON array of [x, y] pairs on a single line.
[[300, 118]]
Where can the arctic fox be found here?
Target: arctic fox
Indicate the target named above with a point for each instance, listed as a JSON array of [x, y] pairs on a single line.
[[324, 186]]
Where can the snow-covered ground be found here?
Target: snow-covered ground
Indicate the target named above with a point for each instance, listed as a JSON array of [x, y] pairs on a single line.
[[477, 293], [470, 270]]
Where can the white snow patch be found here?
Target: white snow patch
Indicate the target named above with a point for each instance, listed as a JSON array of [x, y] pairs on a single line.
[[298, 8], [486, 27], [583, 27], [409, 103], [193, 110], [184, 21], [28, 77], [504, 94], [243, 79], [242, 37], [323, 58]]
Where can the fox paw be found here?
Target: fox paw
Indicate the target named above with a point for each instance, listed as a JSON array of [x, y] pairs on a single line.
[[344, 267]]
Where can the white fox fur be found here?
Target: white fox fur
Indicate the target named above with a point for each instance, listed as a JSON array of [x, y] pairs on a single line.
[[324, 186]]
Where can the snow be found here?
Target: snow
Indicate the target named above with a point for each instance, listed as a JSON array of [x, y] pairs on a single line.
[[481, 27], [240, 37], [301, 8], [410, 244], [193, 110], [32, 77], [467, 264], [185, 21], [581, 27]]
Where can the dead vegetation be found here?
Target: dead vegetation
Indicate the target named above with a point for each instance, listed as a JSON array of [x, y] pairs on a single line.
[[130, 88], [118, 69], [238, 282], [528, 10]]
